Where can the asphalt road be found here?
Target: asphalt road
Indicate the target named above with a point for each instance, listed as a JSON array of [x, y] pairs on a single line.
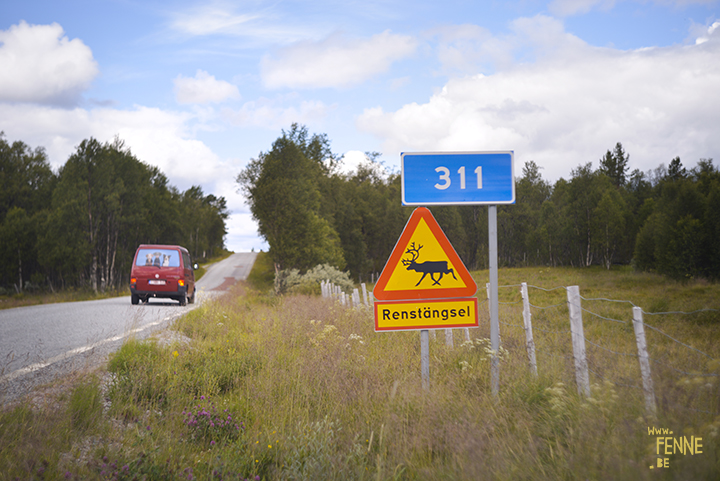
[[39, 343]]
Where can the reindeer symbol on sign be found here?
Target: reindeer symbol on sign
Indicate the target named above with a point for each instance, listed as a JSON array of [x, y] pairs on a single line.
[[427, 267]]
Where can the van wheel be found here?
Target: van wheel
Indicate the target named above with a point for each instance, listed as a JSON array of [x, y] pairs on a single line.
[[134, 299], [183, 300], [191, 299]]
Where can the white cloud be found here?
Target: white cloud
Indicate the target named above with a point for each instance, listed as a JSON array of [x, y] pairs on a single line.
[[464, 48], [203, 89], [713, 31], [273, 114], [210, 19], [351, 160], [570, 106], [221, 18], [155, 136], [472, 49], [243, 235], [40, 64], [335, 61], [242, 230]]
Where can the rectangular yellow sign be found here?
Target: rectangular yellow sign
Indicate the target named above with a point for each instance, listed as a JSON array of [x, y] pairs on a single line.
[[426, 314]]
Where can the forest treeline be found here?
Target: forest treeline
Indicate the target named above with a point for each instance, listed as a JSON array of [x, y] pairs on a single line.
[[80, 227], [665, 220]]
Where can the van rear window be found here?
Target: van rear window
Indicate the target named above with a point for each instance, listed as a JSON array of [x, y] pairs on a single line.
[[158, 258]]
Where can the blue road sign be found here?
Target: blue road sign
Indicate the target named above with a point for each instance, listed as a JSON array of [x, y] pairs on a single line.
[[457, 178]]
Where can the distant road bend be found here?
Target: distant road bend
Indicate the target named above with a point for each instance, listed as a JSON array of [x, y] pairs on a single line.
[[38, 343]]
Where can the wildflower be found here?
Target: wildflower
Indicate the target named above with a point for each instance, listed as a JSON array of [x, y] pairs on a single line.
[[175, 354], [212, 443]]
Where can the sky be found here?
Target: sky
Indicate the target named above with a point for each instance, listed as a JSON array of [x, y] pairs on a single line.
[[201, 88]]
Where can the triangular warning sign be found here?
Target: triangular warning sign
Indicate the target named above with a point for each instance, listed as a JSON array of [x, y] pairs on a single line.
[[423, 264]]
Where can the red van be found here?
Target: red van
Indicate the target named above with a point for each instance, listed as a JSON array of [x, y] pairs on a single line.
[[162, 271]]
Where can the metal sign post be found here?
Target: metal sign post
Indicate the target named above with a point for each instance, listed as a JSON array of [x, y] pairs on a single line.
[[461, 178], [494, 311], [425, 358]]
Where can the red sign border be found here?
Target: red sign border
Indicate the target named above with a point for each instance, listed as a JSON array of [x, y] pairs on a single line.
[[424, 213]]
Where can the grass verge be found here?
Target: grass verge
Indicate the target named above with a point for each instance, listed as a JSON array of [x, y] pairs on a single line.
[[297, 387]]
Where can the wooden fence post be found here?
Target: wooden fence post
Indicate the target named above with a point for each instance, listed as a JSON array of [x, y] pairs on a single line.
[[578, 341], [449, 338], [365, 296], [644, 360], [527, 319]]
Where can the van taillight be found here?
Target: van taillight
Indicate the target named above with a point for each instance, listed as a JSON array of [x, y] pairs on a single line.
[[133, 280], [181, 282]]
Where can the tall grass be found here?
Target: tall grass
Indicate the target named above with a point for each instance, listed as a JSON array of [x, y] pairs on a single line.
[[312, 392]]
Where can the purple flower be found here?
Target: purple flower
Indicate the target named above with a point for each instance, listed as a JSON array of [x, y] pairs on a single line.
[[212, 443]]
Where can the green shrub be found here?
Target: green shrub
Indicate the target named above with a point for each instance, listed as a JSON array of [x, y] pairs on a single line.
[[291, 281]]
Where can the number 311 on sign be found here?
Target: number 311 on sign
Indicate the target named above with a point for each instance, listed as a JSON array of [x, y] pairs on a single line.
[[457, 178], [445, 177]]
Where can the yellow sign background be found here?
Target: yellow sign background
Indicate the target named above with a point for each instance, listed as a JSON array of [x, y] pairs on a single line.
[[426, 314], [403, 279]]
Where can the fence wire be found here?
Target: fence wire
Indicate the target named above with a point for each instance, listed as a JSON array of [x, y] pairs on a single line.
[[614, 382], [547, 307], [593, 367], [609, 350], [602, 317], [679, 342], [693, 374], [548, 290]]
